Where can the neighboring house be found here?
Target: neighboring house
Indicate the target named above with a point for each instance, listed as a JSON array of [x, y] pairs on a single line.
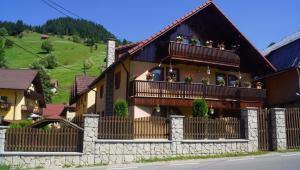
[[151, 74], [55, 110], [21, 94], [284, 86], [82, 95]]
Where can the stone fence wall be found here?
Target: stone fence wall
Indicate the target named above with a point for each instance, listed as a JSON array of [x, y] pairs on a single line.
[[96, 152]]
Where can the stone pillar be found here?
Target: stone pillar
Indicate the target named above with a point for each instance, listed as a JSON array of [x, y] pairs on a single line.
[[278, 129], [176, 134], [176, 128], [89, 138], [249, 116], [2, 137]]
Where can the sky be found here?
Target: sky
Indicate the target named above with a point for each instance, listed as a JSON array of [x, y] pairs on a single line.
[[261, 21]]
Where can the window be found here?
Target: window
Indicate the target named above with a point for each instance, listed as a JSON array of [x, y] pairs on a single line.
[[174, 75], [232, 80], [220, 77], [3, 98], [101, 91], [117, 80], [158, 74]]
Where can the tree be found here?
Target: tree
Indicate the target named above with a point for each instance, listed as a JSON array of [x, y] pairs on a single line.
[[47, 46], [49, 61], [76, 39], [45, 80], [87, 64], [3, 33], [2, 59], [19, 27], [121, 108], [200, 108]]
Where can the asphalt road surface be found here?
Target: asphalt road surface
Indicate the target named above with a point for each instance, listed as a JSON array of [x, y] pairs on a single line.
[[276, 161]]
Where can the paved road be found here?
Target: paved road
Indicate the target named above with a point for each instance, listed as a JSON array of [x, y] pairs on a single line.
[[284, 161]]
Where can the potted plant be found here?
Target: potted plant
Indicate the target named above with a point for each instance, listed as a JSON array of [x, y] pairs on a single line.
[[188, 78], [205, 81], [258, 85], [179, 39], [150, 76], [221, 46], [247, 84], [172, 78], [209, 43], [221, 82], [193, 41]]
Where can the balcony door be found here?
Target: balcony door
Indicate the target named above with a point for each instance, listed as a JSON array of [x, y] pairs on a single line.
[[158, 74]]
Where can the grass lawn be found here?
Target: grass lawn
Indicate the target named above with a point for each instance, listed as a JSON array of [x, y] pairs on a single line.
[[69, 54]]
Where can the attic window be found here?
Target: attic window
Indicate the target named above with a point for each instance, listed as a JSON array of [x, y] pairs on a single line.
[[117, 80]]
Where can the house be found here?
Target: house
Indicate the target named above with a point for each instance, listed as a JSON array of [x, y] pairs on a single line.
[[55, 110], [200, 55], [82, 95], [284, 85], [44, 37], [21, 94], [53, 85]]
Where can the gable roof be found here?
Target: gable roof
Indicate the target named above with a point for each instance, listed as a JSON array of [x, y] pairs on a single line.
[[188, 16], [287, 40], [140, 45], [19, 79], [53, 110], [80, 86]]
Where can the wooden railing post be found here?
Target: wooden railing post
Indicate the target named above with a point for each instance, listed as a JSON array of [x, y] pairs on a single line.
[[2, 138]]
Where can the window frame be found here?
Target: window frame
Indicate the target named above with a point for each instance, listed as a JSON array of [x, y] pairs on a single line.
[[162, 78]]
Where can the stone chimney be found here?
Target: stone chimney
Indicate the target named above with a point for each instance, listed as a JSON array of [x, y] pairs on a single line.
[[110, 52]]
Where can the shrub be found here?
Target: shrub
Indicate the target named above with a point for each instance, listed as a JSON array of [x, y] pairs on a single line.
[[21, 124], [51, 61], [121, 108], [200, 108], [9, 43], [76, 39], [47, 46]]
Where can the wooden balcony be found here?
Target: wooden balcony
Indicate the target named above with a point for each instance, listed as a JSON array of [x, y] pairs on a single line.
[[30, 109], [4, 105], [33, 95], [182, 90], [202, 54]]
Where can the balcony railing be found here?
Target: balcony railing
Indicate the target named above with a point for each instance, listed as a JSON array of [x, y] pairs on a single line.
[[30, 109], [4, 105], [203, 54], [161, 89]]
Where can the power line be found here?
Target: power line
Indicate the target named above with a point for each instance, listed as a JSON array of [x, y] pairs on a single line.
[[34, 54], [58, 10], [60, 6]]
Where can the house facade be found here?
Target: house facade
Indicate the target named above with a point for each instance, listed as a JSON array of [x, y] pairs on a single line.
[[21, 94], [201, 55], [82, 96], [283, 86]]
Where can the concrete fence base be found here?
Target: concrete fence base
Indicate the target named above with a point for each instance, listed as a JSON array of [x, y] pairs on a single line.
[[96, 152]]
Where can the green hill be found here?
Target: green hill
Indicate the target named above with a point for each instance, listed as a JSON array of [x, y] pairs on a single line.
[[69, 54]]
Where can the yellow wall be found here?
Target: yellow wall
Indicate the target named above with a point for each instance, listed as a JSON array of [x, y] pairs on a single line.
[[121, 92], [100, 102], [86, 103], [16, 98]]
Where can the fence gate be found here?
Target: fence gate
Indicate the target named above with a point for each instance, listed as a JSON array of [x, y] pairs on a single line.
[[292, 120], [264, 130]]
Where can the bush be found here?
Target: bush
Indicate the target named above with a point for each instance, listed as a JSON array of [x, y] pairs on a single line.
[[47, 46], [121, 108], [21, 124], [51, 61], [200, 108], [76, 39], [9, 43]]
